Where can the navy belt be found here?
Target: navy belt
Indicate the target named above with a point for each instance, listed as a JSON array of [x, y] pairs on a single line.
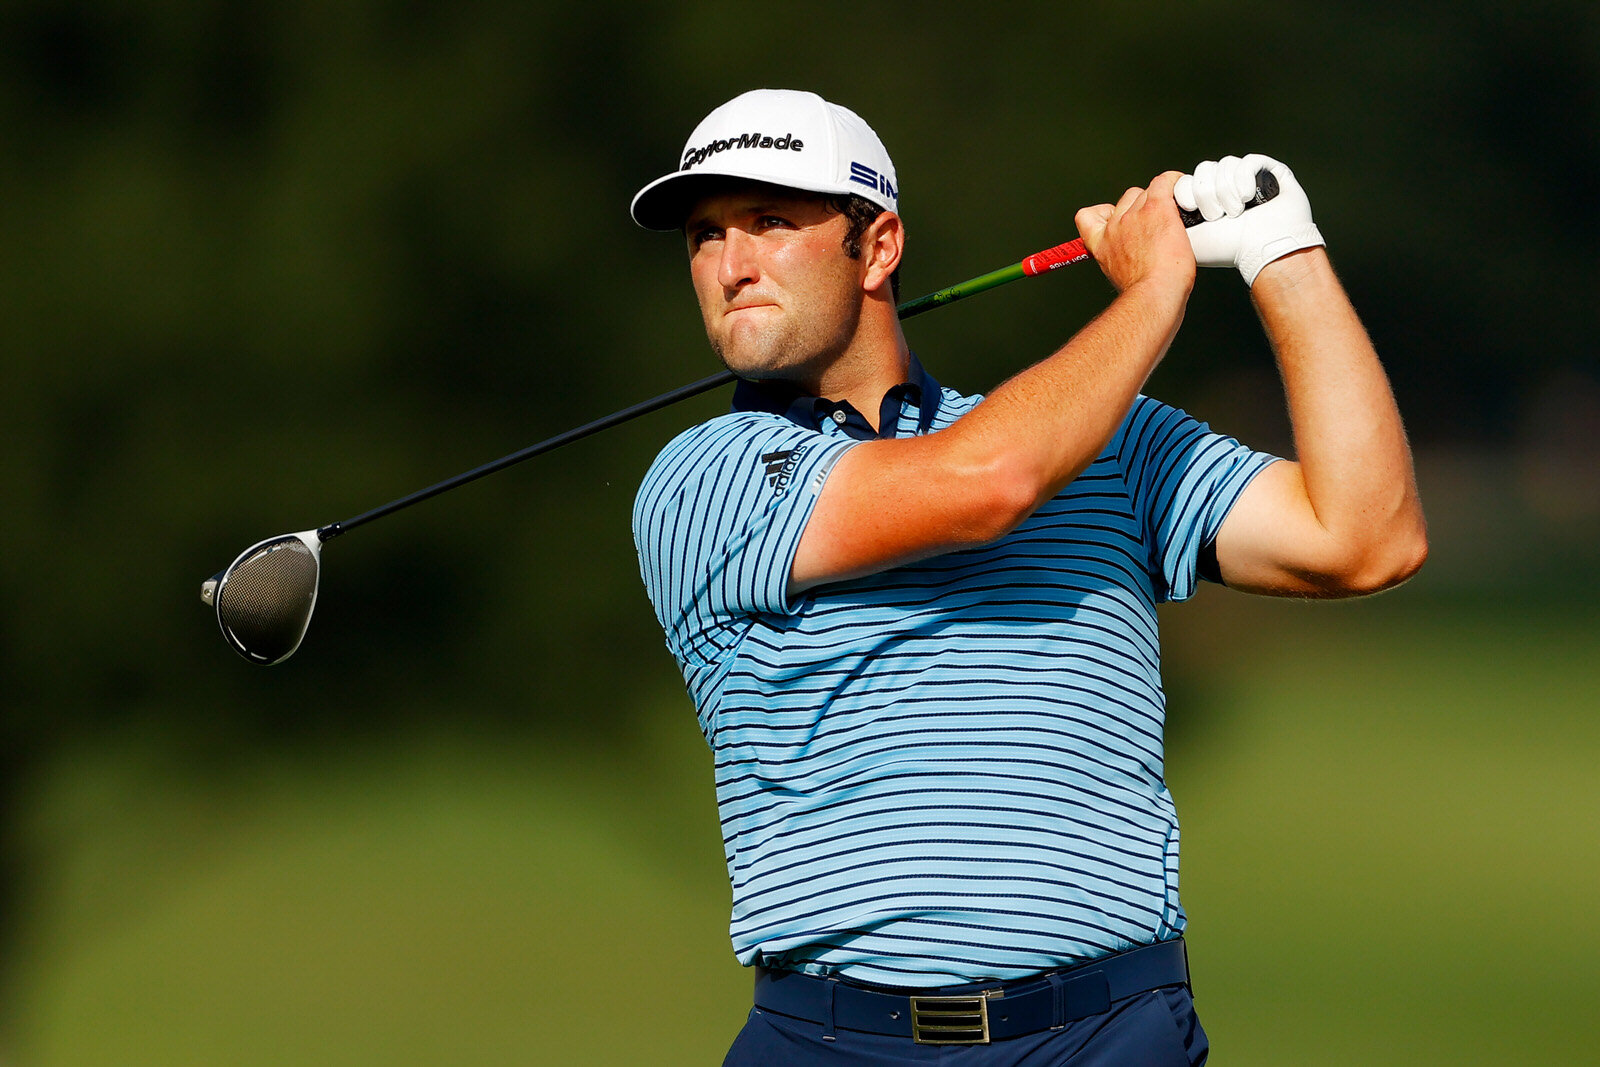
[[976, 1014]]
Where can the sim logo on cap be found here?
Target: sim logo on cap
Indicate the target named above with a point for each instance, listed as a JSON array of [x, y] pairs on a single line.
[[862, 174]]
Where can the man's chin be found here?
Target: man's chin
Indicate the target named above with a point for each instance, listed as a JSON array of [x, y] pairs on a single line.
[[754, 366], [756, 372]]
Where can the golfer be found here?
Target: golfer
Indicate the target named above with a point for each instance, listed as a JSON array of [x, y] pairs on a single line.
[[919, 628]]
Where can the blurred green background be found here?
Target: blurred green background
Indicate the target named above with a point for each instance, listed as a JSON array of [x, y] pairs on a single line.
[[267, 266]]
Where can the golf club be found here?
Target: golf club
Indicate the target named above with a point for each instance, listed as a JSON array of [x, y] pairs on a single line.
[[264, 598]]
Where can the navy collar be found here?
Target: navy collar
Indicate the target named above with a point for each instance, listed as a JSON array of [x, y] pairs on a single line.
[[803, 409]]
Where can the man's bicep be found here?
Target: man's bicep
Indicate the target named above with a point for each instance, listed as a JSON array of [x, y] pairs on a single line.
[[717, 521], [846, 534]]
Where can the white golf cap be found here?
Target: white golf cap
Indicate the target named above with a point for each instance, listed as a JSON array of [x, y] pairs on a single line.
[[781, 136]]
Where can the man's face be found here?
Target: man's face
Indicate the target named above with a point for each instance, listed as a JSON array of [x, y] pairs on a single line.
[[779, 296]]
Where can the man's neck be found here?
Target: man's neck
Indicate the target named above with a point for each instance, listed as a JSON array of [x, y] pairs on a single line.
[[877, 360]]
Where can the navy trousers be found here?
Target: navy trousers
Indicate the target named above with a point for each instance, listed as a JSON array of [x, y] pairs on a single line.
[[1154, 1029]]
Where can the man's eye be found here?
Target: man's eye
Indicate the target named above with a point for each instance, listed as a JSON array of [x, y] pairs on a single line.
[[700, 237], [768, 222]]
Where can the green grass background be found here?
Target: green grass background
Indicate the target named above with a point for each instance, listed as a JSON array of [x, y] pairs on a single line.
[[1390, 857]]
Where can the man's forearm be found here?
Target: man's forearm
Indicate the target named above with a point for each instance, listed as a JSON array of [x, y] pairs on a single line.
[[1053, 419], [1349, 438], [1049, 422], [891, 502]]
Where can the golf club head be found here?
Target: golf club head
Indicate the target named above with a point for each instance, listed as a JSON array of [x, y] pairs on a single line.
[[264, 598]]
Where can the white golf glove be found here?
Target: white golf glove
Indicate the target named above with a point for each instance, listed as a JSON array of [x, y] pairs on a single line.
[[1234, 237]]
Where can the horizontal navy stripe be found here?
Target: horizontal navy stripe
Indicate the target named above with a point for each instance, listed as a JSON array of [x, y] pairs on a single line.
[[1068, 662], [990, 745], [1040, 856], [892, 869], [852, 813], [1050, 660], [728, 801], [1004, 902]]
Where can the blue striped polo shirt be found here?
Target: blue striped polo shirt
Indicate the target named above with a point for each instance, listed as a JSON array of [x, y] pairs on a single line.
[[950, 771]]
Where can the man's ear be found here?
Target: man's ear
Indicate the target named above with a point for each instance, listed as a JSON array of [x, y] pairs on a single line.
[[881, 247]]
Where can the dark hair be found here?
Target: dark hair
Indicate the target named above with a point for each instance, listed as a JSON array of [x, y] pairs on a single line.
[[859, 213]]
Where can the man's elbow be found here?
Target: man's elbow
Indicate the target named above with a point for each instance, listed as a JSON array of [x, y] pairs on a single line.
[[998, 496], [1382, 564]]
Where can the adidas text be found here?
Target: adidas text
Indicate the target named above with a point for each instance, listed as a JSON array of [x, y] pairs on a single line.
[[780, 467]]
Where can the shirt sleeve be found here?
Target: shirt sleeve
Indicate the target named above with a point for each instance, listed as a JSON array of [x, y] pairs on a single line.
[[717, 522], [1183, 479]]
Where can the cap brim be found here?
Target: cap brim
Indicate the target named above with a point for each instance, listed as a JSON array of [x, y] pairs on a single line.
[[664, 204]]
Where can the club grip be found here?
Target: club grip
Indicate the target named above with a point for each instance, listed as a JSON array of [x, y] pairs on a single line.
[[1266, 189], [1062, 255]]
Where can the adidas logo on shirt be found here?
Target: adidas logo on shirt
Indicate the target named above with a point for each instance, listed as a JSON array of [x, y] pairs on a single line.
[[780, 467]]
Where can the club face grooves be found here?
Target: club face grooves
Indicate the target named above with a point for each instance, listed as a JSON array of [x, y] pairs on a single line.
[[264, 600]]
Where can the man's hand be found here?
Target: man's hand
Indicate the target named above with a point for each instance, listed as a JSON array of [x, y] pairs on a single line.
[[1234, 237], [1140, 237]]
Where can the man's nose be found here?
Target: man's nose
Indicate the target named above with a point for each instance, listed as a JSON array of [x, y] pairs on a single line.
[[738, 266]]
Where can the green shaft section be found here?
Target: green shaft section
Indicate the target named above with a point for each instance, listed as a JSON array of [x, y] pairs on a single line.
[[960, 290]]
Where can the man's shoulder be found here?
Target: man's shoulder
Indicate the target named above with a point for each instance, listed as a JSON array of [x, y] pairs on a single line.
[[731, 426], [724, 452], [732, 432], [1146, 416]]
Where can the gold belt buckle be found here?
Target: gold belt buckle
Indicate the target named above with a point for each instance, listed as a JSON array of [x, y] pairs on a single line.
[[952, 1020]]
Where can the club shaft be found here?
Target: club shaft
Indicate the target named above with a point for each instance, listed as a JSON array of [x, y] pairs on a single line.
[[616, 418], [982, 283], [1058, 256]]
